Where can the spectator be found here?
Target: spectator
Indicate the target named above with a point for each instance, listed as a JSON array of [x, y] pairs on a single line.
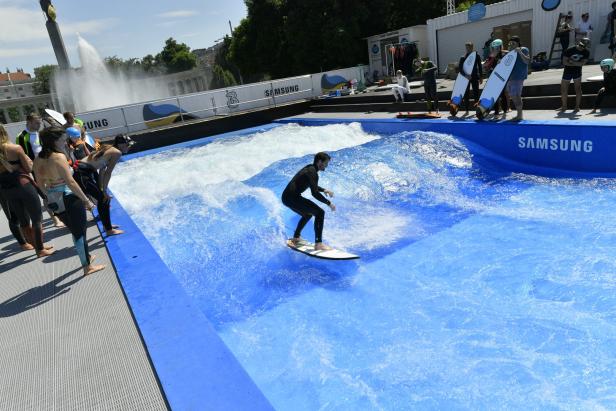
[[518, 74], [584, 29], [427, 70], [496, 55], [401, 88], [564, 34], [64, 194], [21, 195], [474, 78], [487, 46], [609, 82], [575, 58], [28, 139]]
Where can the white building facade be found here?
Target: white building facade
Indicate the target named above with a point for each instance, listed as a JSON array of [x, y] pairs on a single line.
[[446, 35]]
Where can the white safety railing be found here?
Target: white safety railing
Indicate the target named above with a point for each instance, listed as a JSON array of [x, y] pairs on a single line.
[[136, 117]]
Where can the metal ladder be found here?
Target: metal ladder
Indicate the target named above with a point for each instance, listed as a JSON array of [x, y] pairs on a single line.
[[556, 43]]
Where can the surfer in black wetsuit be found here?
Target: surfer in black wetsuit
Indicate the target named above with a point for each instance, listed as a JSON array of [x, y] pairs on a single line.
[[308, 177]]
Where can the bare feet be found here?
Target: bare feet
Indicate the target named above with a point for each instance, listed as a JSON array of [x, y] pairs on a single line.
[[296, 241], [57, 222], [47, 246], [561, 109], [44, 253], [517, 118], [114, 231], [322, 247], [27, 247], [575, 110], [593, 111], [92, 269]]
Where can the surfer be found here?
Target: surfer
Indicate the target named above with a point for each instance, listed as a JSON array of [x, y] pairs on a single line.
[[474, 77], [518, 75], [308, 177]]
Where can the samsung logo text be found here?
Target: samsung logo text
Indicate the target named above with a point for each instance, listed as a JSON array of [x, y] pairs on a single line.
[[555, 144]]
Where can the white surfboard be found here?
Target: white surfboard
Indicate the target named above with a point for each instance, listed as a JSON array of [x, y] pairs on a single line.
[[459, 87], [59, 117], [307, 248], [496, 83], [56, 116], [595, 78]]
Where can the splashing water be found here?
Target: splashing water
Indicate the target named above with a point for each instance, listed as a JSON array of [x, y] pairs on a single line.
[[477, 288], [94, 86]]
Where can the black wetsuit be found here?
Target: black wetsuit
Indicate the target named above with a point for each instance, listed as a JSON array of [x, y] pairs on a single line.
[[87, 178], [307, 177], [609, 87]]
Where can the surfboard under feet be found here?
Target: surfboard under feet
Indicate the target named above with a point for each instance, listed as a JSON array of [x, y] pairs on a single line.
[[306, 247]]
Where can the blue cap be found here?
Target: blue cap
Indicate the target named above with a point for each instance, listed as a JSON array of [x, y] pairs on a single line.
[[73, 133]]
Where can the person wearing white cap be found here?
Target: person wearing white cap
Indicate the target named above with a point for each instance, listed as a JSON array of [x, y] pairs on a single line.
[[609, 83]]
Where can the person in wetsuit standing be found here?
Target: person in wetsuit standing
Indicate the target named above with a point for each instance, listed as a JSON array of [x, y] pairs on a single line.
[[305, 178]]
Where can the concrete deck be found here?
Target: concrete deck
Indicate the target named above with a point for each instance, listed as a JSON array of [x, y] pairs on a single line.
[[68, 342], [537, 115]]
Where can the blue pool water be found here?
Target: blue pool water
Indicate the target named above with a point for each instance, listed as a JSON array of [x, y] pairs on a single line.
[[477, 288]]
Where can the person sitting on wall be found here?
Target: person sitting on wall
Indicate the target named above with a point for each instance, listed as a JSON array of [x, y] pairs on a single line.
[[575, 58], [609, 83], [401, 88], [427, 69]]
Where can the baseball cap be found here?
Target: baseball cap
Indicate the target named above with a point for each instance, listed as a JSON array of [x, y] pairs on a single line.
[[73, 133], [123, 139]]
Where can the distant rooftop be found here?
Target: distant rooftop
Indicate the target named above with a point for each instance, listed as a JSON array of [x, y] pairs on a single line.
[[19, 75]]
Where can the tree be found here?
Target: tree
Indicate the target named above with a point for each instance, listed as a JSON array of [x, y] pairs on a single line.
[[176, 56], [42, 77], [221, 78]]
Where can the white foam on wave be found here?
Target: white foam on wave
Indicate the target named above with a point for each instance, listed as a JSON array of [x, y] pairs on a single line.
[[144, 182], [370, 227]]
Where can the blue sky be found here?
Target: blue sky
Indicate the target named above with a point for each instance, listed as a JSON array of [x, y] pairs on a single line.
[[129, 28]]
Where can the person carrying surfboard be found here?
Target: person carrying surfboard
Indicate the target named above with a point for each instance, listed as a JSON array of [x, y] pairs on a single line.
[[497, 54], [518, 74], [474, 77], [305, 178]]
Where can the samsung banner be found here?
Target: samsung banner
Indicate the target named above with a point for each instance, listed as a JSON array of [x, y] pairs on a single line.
[[106, 123]]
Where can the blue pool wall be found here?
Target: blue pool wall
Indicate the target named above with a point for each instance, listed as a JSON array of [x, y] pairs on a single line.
[[534, 147], [194, 366]]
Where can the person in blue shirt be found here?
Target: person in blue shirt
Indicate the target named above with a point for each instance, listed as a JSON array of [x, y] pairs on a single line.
[[518, 74]]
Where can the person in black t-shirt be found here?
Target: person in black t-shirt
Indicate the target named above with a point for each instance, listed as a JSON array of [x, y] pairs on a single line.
[[574, 58], [308, 178]]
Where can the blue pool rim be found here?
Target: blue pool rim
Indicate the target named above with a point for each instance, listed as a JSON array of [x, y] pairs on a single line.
[[195, 368]]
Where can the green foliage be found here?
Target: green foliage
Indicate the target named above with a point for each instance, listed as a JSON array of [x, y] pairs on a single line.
[[290, 37], [13, 114], [176, 57], [42, 78], [221, 78], [465, 5]]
